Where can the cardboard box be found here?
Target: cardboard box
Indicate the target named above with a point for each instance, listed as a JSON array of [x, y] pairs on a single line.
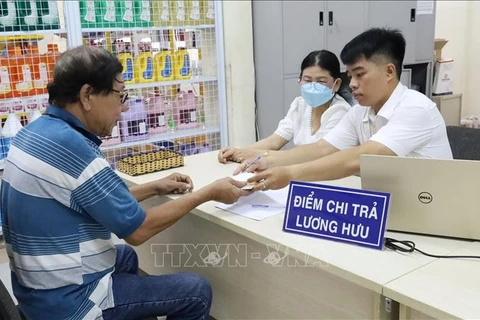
[[439, 44]]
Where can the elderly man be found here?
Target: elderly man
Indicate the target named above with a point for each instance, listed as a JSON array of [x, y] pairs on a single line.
[[60, 202]]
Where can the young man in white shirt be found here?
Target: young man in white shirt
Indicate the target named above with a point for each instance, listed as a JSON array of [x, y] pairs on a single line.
[[390, 120]]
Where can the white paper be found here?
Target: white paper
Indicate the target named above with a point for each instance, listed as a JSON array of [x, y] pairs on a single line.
[[425, 7], [275, 199]]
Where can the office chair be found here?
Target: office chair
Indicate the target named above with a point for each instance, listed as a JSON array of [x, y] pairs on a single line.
[[465, 142], [8, 309]]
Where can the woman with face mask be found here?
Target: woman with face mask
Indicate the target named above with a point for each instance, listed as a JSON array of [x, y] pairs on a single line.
[[311, 115]]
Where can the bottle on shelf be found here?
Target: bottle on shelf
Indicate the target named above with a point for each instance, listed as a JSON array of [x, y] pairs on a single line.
[[133, 126], [8, 21], [28, 15], [126, 14], [143, 15], [182, 69], [143, 64], [171, 116], [10, 129], [187, 110], [156, 114], [125, 56], [49, 18], [161, 13], [163, 63], [89, 14]]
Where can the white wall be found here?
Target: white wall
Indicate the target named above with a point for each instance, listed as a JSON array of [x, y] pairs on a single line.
[[457, 21], [240, 76]]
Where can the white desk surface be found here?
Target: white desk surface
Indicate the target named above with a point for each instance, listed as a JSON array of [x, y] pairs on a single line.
[[443, 289], [368, 268]]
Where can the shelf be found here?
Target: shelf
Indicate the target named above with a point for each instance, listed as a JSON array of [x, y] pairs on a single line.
[[164, 137], [28, 35], [170, 83], [133, 29]]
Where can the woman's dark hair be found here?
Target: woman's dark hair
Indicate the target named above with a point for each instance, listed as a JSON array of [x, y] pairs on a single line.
[[328, 61], [79, 66]]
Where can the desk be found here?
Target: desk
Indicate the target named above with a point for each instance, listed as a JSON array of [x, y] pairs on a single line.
[[316, 279], [443, 289]]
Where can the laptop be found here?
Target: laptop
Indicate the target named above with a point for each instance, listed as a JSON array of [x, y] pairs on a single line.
[[428, 196]]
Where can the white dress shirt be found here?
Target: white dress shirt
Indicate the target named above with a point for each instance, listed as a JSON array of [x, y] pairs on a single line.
[[409, 124], [297, 124]]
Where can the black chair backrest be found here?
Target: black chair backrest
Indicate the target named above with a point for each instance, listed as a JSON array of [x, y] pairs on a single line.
[[8, 309], [465, 142]]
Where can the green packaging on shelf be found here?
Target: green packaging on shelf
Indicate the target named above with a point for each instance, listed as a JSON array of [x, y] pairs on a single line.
[[126, 13], [28, 16], [8, 16], [89, 14], [143, 14], [48, 12], [108, 15]]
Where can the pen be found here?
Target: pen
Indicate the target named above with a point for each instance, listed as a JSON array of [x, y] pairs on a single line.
[[267, 206], [252, 163]]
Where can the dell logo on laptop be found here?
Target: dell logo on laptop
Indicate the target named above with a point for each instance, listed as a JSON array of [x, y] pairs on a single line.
[[425, 197]]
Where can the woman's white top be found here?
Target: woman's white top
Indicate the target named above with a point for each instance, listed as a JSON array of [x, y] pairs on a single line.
[[297, 124]]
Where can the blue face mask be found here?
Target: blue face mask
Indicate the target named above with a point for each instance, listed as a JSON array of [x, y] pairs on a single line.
[[316, 94]]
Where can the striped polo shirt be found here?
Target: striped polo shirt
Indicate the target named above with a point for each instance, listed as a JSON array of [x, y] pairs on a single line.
[[60, 202]]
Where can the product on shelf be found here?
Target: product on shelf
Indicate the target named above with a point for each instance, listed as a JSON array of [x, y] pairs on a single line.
[[156, 114], [182, 69], [126, 59], [89, 14], [20, 72], [179, 13], [133, 126], [194, 13], [9, 19], [143, 64], [29, 18], [51, 57], [113, 138], [32, 108], [126, 14], [208, 11], [10, 129], [6, 86], [161, 13], [42, 102], [171, 117], [143, 16], [186, 109], [39, 69], [48, 11], [107, 15], [163, 65]]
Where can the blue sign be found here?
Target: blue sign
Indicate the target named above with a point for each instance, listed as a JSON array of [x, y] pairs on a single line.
[[335, 213]]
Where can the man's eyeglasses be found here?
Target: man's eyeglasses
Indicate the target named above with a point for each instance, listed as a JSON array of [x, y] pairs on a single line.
[[123, 95]]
